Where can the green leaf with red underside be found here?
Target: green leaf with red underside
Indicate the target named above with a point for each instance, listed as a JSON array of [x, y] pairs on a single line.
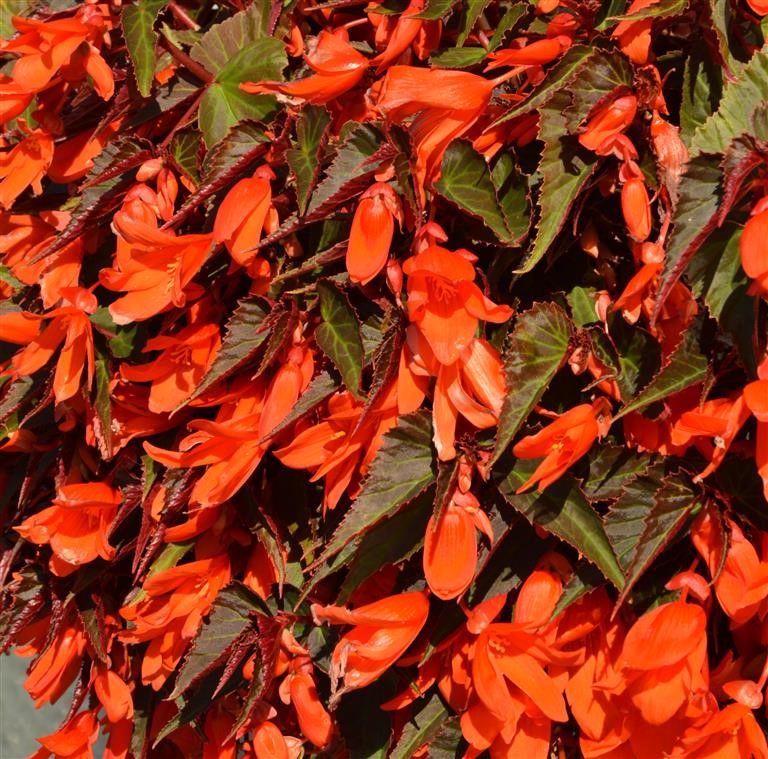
[[246, 331], [563, 510], [228, 620], [537, 348], [338, 336], [685, 367], [305, 156], [565, 166], [402, 469], [647, 516], [466, 182], [138, 22]]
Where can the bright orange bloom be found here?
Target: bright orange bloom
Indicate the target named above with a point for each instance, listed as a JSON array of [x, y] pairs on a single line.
[[242, 217], [24, 165], [404, 33], [756, 399], [59, 660], [472, 387], [373, 226], [73, 741], [299, 689], [636, 208], [47, 47], [635, 36], [14, 99], [563, 442], [664, 656], [233, 445], [269, 742], [75, 526], [337, 65], [752, 246], [152, 267], [533, 54], [760, 7], [607, 122], [178, 370], [69, 325], [170, 613], [450, 546], [741, 577], [445, 303], [383, 631], [448, 103], [337, 449], [73, 158]]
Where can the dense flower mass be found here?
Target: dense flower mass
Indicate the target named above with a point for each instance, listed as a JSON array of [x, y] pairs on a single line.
[[386, 378]]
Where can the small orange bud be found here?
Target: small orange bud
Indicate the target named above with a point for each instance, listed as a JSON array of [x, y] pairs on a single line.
[[636, 209], [607, 123]]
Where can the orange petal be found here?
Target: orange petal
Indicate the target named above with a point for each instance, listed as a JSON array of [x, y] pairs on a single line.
[[450, 552]]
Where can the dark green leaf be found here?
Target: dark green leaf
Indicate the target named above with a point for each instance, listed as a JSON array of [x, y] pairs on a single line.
[[423, 727], [389, 542], [643, 522], [137, 22], [472, 11], [685, 367], [565, 166], [338, 336], [512, 194], [185, 149], [225, 104], [511, 16], [436, 9], [715, 274], [367, 738], [358, 157], [121, 339], [537, 348], [457, 57], [229, 618], [102, 406], [9, 279], [304, 157], [245, 334], [557, 79], [401, 470], [611, 469], [563, 510], [466, 182], [222, 42], [655, 10], [702, 89], [582, 304]]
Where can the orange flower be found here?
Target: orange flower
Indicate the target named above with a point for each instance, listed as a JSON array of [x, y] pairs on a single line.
[[607, 122], [472, 387], [46, 47], [372, 229], [75, 526], [242, 216], [231, 446], [152, 266], [448, 103], [635, 206], [24, 165], [269, 742], [752, 247], [533, 54], [445, 303], [563, 442], [14, 99], [741, 577], [339, 449], [60, 656], [337, 65], [299, 689], [664, 655], [74, 740], [635, 36], [450, 546], [113, 693], [405, 32], [170, 613], [69, 325], [178, 370], [383, 631], [73, 158]]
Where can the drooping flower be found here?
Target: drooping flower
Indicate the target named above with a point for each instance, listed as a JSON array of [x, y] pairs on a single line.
[[373, 226], [75, 526], [445, 303], [608, 122], [337, 65], [25, 164], [563, 442], [382, 632], [450, 545]]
